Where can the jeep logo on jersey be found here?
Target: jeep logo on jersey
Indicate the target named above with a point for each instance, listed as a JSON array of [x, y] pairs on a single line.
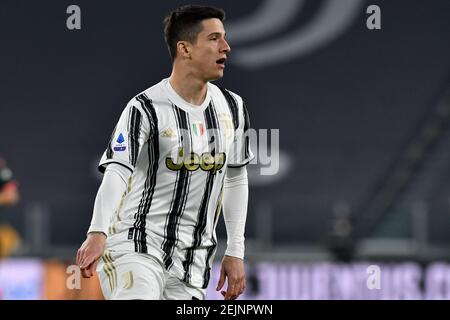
[[193, 162], [120, 146]]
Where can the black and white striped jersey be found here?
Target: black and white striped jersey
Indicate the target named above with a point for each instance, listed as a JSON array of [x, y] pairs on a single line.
[[178, 154]]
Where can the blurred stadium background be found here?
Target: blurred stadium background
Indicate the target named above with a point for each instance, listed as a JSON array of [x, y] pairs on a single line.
[[364, 135]]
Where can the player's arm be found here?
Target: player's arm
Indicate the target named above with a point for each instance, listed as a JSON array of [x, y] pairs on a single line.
[[118, 163], [108, 197], [235, 214]]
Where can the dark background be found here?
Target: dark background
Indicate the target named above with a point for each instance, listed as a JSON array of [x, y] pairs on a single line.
[[345, 111]]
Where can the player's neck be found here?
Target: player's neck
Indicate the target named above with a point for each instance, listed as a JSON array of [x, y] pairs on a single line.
[[190, 88]]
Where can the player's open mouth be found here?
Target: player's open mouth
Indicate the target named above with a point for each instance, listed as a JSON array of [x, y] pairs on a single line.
[[221, 62]]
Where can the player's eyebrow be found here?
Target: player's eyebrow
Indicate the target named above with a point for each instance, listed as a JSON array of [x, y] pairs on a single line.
[[217, 34]]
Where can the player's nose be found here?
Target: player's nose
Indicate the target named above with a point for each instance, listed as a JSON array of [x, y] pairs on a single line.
[[226, 47]]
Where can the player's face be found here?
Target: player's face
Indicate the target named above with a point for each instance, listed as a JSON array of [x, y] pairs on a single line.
[[209, 53]]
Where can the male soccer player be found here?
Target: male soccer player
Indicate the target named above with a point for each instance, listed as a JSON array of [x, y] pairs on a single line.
[[176, 155]]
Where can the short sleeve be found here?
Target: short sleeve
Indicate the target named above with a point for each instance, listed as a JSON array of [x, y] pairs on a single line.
[[129, 136], [241, 153]]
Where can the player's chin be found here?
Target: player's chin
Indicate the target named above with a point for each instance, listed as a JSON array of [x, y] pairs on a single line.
[[216, 76]]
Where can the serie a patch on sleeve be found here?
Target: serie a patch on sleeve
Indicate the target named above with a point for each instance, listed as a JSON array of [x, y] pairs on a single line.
[[120, 143]]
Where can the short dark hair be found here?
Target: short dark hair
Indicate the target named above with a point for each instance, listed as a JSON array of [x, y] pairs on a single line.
[[184, 24]]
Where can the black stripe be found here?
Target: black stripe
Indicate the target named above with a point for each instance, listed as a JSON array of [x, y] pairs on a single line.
[[139, 235], [211, 129], [207, 274], [109, 150], [246, 127], [232, 104], [219, 204], [103, 167], [180, 192], [246, 117], [199, 228], [133, 132], [130, 124], [212, 249], [138, 232], [239, 165]]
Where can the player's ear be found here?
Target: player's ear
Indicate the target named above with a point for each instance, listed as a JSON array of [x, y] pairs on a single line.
[[184, 49]]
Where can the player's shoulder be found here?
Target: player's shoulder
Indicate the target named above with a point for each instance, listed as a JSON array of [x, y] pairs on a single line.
[[153, 93], [148, 100], [225, 92]]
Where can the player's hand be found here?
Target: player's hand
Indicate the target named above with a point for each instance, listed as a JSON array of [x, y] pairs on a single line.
[[90, 253], [233, 269]]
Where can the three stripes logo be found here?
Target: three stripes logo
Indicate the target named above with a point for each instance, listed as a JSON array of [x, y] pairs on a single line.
[[168, 133], [110, 270]]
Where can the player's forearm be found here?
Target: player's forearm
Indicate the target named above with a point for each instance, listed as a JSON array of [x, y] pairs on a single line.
[[108, 197], [235, 210]]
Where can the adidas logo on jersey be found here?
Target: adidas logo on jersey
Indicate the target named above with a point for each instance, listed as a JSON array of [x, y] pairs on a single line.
[[168, 133], [193, 161]]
